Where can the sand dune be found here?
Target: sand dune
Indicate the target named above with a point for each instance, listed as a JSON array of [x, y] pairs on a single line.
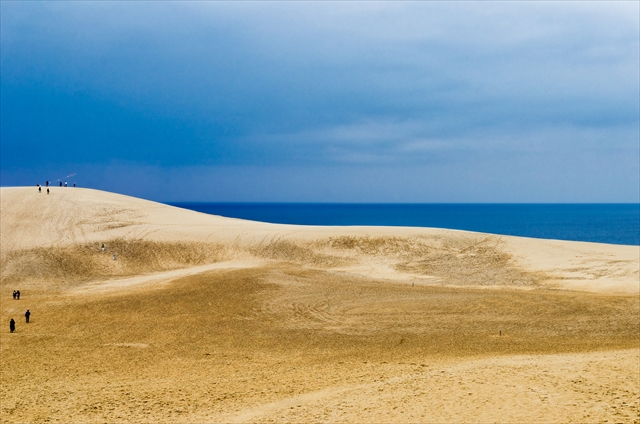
[[210, 319]]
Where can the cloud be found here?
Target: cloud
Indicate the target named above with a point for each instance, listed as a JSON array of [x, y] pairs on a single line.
[[338, 85]]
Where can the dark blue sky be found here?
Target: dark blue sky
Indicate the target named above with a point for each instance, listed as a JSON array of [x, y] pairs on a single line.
[[325, 101]]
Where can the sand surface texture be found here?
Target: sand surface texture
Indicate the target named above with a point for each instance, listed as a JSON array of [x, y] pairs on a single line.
[[209, 319]]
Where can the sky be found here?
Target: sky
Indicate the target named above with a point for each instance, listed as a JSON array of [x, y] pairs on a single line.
[[420, 102]]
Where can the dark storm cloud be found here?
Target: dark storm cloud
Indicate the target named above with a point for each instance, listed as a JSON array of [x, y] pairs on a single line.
[[318, 84]]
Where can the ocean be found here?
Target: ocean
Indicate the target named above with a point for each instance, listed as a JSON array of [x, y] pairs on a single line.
[[601, 223]]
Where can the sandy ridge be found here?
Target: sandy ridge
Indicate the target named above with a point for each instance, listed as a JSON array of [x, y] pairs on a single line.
[[67, 216]]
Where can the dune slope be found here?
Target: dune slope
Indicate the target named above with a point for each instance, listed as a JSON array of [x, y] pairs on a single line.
[[209, 319]]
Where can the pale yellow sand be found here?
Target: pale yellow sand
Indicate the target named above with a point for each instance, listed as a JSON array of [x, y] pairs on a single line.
[[209, 319]]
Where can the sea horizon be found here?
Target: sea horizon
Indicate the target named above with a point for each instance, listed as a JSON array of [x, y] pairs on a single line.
[[612, 223]]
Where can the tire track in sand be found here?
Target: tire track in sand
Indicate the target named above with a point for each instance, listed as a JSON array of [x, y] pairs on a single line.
[[117, 285]]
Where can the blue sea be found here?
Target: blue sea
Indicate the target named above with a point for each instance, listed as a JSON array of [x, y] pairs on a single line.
[[602, 223]]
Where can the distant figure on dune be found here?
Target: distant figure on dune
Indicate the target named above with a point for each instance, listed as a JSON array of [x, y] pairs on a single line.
[[18, 295], [27, 315], [47, 183], [74, 184], [114, 256], [12, 325], [39, 189], [102, 247], [47, 191], [60, 183], [14, 295]]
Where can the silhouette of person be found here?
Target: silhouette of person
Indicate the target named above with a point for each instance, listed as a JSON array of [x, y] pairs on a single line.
[[60, 183], [18, 295], [74, 184], [65, 183], [14, 295], [47, 183], [27, 315], [12, 325], [39, 189], [47, 191]]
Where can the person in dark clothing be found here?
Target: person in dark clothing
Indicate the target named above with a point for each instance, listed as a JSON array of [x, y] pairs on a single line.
[[14, 295], [60, 183], [39, 189], [47, 183], [27, 315], [12, 325], [47, 191], [18, 295]]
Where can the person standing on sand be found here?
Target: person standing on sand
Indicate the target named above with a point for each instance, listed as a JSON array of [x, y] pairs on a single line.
[[39, 189], [14, 295], [47, 191], [27, 315], [12, 325], [18, 295], [47, 183]]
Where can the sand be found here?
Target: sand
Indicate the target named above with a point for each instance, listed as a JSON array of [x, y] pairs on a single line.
[[210, 319]]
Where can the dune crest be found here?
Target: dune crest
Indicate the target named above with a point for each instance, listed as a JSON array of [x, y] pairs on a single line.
[[47, 237]]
